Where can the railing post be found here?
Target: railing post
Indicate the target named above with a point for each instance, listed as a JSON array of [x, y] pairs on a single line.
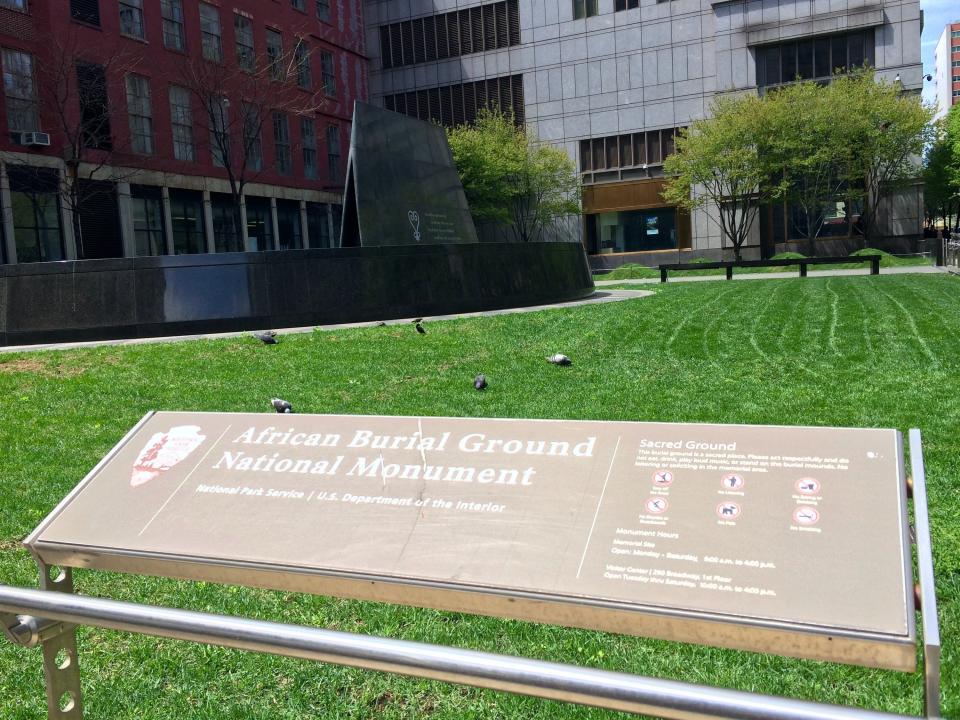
[[874, 264], [803, 269], [729, 272], [663, 274], [60, 669]]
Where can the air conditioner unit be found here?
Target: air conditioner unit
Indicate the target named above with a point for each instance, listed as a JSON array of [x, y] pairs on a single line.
[[34, 138]]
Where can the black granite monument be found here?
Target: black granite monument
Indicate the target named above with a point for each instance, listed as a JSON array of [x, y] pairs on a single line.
[[402, 186]]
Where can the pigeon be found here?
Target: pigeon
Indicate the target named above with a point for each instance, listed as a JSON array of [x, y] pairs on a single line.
[[559, 359], [381, 324], [267, 337], [480, 382], [418, 324], [281, 406]]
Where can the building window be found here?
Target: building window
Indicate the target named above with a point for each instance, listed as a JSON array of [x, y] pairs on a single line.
[[181, 123], [218, 113], [485, 27], [252, 144], [317, 225], [20, 92], [35, 210], [281, 143], [298, 5], [329, 77], [15, 4], [275, 54], [323, 10], [453, 105], [259, 224], [288, 225], [632, 231], [131, 18], [210, 33], [141, 115], [94, 113], [172, 13], [584, 8], [955, 33], [186, 212], [639, 150], [148, 235], [87, 11], [308, 141], [814, 58], [226, 223], [333, 153], [627, 5], [302, 59], [243, 32]]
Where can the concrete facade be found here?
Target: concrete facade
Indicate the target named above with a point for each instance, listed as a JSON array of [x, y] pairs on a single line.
[[653, 67], [947, 69]]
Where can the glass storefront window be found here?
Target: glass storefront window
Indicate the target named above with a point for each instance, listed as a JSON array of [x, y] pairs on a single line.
[[225, 235], [288, 225], [259, 225], [36, 226], [186, 211], [634, 231], [148, 232], [319, 229]]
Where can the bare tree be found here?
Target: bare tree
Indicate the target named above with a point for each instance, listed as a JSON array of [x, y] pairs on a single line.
[[74, 90], [235, 101]]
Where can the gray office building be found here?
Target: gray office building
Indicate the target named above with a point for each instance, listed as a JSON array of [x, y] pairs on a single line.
[[612, 80]]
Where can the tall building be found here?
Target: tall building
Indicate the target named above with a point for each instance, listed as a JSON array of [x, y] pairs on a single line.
[[612, 80], [947, 69], [144, 128]]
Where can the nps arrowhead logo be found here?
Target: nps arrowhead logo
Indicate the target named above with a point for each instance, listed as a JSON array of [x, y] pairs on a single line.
[[163, 451]]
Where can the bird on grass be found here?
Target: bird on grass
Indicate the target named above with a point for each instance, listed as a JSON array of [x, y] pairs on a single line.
[[559, 359], [281, 406], [267, 337], [480, 382], [418, 324]]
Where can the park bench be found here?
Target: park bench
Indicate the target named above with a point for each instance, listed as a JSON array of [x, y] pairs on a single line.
[[729, 265]]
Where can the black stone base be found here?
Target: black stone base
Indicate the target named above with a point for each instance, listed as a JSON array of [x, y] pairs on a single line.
[[185, 294]]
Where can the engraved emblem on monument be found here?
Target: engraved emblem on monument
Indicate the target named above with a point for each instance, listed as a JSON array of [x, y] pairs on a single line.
[[414, 217], [163, 451]]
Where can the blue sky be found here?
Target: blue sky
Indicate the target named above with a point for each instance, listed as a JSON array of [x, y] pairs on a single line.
[[936, 14]]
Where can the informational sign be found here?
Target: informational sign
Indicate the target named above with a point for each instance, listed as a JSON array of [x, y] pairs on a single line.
[[780, 539], [402, 187]]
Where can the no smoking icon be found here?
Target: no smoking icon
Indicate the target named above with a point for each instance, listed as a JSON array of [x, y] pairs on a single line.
[[656, 506], [663, 478], [805, 516]]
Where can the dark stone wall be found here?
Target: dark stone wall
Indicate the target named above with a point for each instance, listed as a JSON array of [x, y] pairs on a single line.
[[154, 296]]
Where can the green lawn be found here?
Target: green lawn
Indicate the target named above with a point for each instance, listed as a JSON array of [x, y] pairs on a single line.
[[846, 351], [633, 271]]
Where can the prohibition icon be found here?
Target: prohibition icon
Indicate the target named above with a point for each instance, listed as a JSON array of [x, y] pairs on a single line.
[[663, 478], [732, 481], [805, 516], [807, 486], [656, 506], [728, 510]]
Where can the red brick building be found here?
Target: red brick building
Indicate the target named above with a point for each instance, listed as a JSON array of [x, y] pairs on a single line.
[[137, 127]]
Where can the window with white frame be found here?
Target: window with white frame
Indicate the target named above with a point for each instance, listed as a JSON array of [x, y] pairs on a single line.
[[131, 18], [20, 91], [15, 4], [173, 35], [333, 152], [181, 123], [308, 140], [141, 114], [302, 59], [243, 34], [329, 77], [323, 10], [252, 145], [218, 116], [275, 54], [210, 33], [281, 143]]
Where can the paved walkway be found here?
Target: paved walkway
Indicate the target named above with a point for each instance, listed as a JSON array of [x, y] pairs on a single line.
[[603, 296], [684, 277]]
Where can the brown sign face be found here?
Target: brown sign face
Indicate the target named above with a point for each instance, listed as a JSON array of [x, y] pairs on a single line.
[[789, 540]]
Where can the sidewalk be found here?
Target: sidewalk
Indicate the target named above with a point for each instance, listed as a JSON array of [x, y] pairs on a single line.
[[685, 277]]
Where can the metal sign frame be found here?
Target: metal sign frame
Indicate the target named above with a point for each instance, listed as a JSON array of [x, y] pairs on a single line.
[[48, 617]]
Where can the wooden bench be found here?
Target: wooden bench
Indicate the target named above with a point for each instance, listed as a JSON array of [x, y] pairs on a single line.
[[729, 265]]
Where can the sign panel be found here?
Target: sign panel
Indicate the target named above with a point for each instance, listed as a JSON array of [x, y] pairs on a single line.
[[781, 539]]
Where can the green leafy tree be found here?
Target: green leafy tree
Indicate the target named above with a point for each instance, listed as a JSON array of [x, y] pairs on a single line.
[[886, 131], [941, 193], [809, 150], [512, 180], [723, 161]]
